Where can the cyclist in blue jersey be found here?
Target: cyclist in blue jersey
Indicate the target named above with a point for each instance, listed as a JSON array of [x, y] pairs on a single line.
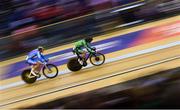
[[35, 58]]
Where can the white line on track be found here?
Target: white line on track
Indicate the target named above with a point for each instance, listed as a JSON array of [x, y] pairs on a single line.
[[14, 84]]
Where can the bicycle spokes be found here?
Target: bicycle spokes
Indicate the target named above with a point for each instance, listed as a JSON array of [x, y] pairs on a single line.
[[50, 71]]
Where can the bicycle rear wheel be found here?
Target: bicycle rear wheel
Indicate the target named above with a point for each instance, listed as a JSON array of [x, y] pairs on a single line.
[[50, 71], [25, 77], [97, 59], [74, 65]]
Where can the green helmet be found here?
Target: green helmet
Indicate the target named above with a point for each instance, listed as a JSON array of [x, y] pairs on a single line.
[[90, 39]]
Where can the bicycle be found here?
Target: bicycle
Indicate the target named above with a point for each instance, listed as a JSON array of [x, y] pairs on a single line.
[[96, 59], [49, 71]]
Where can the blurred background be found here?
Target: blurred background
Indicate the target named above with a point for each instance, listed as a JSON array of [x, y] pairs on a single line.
[[26, 24]]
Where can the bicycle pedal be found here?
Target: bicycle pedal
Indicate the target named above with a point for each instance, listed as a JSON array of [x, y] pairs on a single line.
[[84, 64]]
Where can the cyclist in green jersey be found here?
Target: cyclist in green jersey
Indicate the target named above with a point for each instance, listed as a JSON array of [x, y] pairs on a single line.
[[79, 45]]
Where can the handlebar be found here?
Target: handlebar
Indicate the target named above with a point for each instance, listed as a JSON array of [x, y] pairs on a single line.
[[43, 63], [93, 48]]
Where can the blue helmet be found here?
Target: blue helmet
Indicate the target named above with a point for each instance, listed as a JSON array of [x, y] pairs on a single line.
[[40, 48]]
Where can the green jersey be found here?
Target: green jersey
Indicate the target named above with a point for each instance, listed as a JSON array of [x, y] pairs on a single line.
[[79, 45]]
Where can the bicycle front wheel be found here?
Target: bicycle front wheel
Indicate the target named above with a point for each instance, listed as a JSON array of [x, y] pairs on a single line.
[[50, 71], [97, 59]]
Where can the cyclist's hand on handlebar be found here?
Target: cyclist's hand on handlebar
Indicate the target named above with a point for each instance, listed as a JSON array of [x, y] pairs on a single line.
[[93, 48], [45, 63], [47, 60]]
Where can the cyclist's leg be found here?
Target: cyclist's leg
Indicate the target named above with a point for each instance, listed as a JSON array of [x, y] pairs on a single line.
[[38, 67], [83, 54], [78, 52], [33, 64]]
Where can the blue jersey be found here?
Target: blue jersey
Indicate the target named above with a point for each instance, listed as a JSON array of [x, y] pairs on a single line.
[[35, 54]]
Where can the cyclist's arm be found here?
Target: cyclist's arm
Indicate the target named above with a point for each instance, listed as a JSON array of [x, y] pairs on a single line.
[[88, 47], [41, 57]]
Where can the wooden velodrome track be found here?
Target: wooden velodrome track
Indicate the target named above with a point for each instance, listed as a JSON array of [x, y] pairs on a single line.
[[95, 77]]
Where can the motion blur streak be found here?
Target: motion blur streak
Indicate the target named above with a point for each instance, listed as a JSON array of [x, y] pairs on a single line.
[[94, 80], [107, 61], [139, 38]]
